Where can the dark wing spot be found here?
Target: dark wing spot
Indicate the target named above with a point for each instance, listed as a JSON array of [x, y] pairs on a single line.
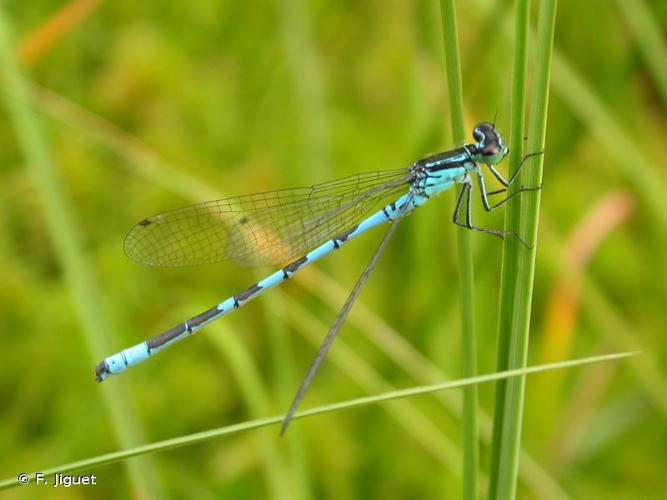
[[145, 222], [243, 220]]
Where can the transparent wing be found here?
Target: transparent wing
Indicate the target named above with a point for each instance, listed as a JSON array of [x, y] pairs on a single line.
[[262, 228]]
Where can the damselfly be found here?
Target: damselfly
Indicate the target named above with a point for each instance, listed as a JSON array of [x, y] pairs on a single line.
[[300, 226]]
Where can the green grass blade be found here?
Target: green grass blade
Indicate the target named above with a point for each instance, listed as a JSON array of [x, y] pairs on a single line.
[[453, 68], [324, 409], [466, 274], [511, 246], [509, 441], [68, 247]]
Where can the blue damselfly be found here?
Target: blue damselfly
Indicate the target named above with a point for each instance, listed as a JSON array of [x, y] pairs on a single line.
[[300, 226]]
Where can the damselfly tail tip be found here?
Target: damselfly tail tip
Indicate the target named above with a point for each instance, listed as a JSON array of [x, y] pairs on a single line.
[[101, 371]]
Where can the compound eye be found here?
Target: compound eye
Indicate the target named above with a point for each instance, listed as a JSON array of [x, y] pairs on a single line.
[[491, 150]]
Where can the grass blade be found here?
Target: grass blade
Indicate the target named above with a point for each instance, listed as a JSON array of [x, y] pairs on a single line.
[[511, 247], [466, 277], [277, 419], [508, 442]]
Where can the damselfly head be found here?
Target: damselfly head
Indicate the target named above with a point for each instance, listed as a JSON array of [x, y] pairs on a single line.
[[490, 147]]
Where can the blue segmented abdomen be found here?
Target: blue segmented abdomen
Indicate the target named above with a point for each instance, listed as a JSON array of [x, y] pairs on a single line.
[[121, 361]]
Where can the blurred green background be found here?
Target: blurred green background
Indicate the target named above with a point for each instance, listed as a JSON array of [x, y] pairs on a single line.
[[147, 106]]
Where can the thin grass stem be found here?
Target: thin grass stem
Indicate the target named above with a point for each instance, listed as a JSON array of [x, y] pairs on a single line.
[[319, 410], [511, 246], [465, 265], [508, 444]]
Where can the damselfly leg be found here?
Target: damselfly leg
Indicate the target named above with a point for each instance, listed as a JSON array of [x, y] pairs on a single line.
[[465, 197], [516, 173]]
